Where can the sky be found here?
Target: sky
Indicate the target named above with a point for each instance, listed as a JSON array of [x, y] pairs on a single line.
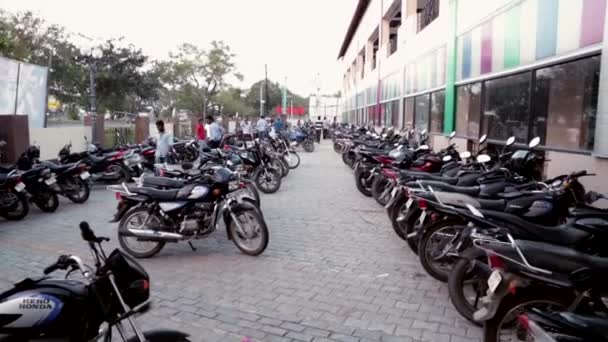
[[297, 39]]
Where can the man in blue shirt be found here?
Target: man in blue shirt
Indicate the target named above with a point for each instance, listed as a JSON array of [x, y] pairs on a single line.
[[215, 133], [278, 125]]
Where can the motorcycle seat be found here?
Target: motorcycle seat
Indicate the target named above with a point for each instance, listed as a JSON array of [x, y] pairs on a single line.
[[161, 195], [429, 177], [563, 235], [560, 259], [441, 186], [163, 182], [492, 204], [57, 168], [96, 159], [587, 211]]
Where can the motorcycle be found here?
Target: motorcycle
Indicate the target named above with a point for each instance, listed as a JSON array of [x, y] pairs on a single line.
[[192, 212], [112, 292], [108, 168], [14, 205]]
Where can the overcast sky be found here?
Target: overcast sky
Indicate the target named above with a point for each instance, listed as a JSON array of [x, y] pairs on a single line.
[[296, 38]]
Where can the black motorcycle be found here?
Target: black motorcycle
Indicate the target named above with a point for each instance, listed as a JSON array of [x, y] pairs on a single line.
[[115, 290], [258, 165], [192, 212], [107, 168]]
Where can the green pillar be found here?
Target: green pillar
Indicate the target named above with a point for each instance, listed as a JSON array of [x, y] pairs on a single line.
[[450, 88]]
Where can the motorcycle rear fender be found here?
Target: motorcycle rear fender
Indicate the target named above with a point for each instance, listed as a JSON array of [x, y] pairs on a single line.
[[161, 336], [235, 208]]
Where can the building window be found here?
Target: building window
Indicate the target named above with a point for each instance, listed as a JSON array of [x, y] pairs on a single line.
[[506, 107], [421, 114], [565, 104], [468, 108], [375, 53], [437, 110], [428, 12], [408, 113]]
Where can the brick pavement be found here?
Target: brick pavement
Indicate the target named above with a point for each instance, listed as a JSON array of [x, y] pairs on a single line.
[[333, 271]]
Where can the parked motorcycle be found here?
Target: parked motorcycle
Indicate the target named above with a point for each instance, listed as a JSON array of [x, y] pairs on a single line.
[[192, 212], [14, 204], [108, 168], [111, 292]]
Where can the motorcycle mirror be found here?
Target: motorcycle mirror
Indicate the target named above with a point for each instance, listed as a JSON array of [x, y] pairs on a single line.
[[483, 158], [452, 135], [465, 155], [423, 132], [534, 142], [447, 158], [187, 166], [423, 147], [483, 138], [510, 141], [86, 232]]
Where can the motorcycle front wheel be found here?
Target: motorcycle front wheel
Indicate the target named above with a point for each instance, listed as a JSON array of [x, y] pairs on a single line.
[[363, 182], [309, 146], [381, 190], [268, 180], [292, 159], [136, 219], [47, 202], [16, 211], [253, 238]]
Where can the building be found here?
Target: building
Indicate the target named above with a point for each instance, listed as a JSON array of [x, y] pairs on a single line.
[[520, 68], [324, 106]]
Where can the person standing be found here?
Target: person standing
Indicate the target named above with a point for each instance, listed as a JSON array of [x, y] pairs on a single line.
[[163, 143], [299, 123], [262, 127], [215, 133], [278, 125], [326, 127], [318, 128], [246, 126]]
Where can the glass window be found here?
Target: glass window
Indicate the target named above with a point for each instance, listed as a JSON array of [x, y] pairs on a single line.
[[408, 113], [437, 109], [421, 115], [468, 109], [565, 104], [506, 107]]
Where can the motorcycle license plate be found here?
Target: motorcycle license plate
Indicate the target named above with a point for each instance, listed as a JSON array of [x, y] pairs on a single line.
[[19, 187], [85, 175], [494, 280], [50, 181]]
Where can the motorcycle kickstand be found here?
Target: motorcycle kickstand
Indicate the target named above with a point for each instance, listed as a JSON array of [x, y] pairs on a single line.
[[192, 246]]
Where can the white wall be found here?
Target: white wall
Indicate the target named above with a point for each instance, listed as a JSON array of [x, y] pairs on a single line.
[[564, 163], [52, 139]]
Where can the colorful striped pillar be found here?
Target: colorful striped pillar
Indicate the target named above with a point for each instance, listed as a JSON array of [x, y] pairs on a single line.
[[450, 88]]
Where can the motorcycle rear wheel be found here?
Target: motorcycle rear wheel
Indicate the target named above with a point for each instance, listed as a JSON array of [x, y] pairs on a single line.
[[80, 192], [525, 298], [363, 185], [250, 218], [18, 210], [48, 202], [467, 272], [379, 188], [426, 250], [141, 215], [292, 159]]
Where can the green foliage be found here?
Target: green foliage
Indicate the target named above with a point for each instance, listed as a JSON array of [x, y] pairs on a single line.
[[274, 97]]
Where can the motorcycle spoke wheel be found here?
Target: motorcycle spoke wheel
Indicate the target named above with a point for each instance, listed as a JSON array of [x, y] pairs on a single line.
[[253, 238], [134, 245]]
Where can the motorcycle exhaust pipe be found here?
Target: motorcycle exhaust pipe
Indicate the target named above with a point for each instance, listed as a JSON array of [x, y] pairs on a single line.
[[154, 234]]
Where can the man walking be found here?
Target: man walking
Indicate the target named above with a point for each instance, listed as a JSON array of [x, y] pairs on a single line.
[[246, 127], [163, 143], [262, 127], [215, 133], [278, 125]]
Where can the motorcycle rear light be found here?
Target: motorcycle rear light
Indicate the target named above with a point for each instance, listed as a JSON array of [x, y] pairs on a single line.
[[82, 167], [118, 196], [389, 173], [217, 192], [495, 261], [242, 185], [422, 204], [161, 172]]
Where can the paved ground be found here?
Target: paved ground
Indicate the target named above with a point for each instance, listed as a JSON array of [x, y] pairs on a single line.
[[333, 271]]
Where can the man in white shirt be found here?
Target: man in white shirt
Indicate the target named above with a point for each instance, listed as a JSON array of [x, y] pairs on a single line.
[[215, 132], [163, 143], [246, 126], [262, 127]]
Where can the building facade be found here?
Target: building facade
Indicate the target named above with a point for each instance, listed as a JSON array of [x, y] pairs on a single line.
[[324, 106], [522, 68]]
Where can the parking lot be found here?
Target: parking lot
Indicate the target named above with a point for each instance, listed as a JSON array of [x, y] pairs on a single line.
[[334, 270]]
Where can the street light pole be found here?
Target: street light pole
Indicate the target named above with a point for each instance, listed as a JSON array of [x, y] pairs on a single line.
[[92, 102]]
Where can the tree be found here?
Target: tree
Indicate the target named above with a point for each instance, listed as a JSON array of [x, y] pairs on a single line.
[[274, 97], [196, 76], [233, 102], [121, 82]]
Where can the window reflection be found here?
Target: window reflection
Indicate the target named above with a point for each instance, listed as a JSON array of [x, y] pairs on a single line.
[[506, 107], [468, 108], [421, 116], [437, 109], [408, 111]]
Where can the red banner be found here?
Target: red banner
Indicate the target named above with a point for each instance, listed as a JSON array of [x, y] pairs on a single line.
[[288, 110]]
